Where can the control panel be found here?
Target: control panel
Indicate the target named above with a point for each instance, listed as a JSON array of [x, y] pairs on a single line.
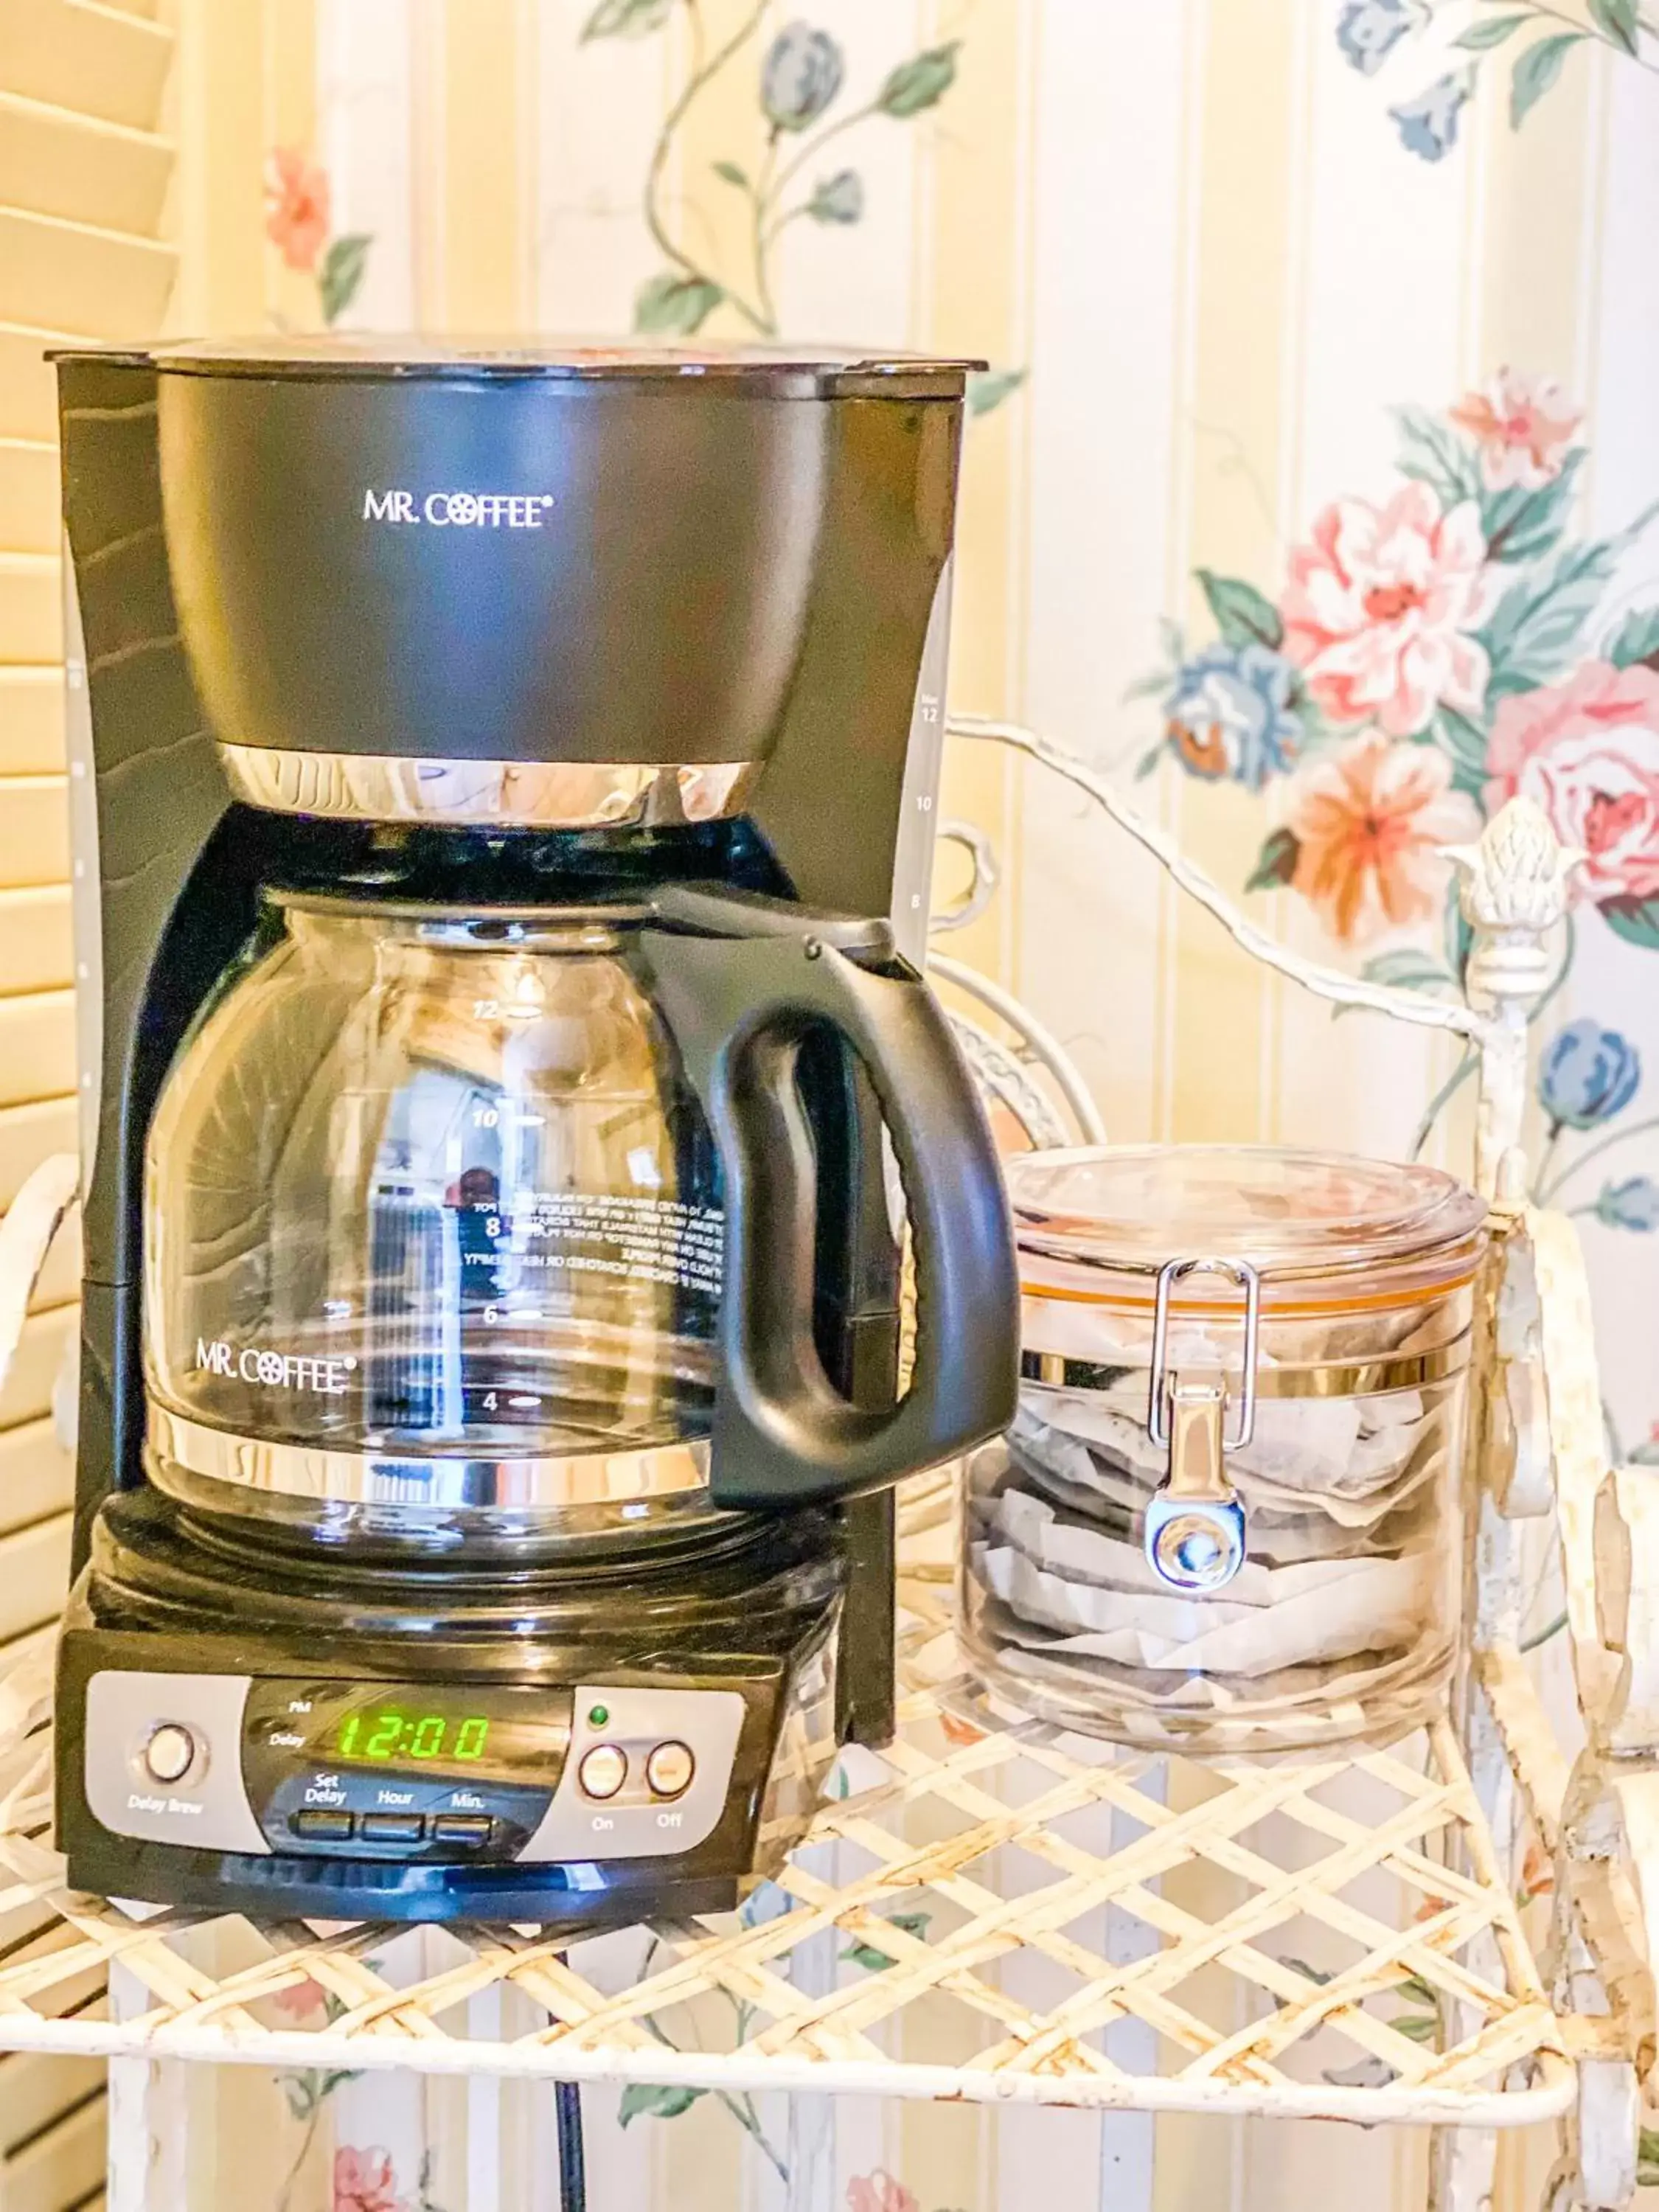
[[647, 1774], [494, 1772]]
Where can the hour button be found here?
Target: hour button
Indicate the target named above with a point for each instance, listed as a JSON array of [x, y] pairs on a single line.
[[170, 1754]]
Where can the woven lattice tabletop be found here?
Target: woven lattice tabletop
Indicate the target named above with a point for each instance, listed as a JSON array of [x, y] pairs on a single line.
[[992, 1914]]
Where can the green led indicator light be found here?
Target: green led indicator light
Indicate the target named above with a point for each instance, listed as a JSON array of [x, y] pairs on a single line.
[[598, 1716]]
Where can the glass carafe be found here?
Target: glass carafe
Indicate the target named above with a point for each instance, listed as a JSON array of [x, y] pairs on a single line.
[[437, 1234]]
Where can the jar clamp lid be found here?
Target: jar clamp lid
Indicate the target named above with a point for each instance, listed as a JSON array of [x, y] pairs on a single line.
[[1194, 1536]]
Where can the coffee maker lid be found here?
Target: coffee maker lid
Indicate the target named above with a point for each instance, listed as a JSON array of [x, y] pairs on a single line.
[[770, 371]]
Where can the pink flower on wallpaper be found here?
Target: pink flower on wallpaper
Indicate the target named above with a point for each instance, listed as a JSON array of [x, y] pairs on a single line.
[[1379, 606], [364, 2181], [1523, 426], [1587, 752], [879, 2192], [297, 199], [1368, 823], [300, 1999]]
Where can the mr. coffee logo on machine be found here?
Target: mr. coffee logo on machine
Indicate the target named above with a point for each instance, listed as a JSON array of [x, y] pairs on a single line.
[[460, 510], [277, 1370]]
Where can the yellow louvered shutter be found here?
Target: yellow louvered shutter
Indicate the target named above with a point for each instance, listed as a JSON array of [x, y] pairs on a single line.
[[84, 174]]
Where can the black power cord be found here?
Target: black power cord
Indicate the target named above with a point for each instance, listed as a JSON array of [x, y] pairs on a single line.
[[572, 2166]]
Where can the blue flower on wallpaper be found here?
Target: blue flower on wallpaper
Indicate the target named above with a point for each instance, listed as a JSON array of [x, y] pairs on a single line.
[[767, 1900], [1228, 713], [1632, 1203], [1428, 124], [800, 75], [839, 198], [1587, 1075], [1368, 31]]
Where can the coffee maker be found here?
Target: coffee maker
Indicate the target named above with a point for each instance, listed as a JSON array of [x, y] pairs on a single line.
[[504, 786]]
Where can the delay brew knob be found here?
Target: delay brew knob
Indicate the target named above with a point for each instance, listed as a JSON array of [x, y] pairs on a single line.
[[170, 1752]]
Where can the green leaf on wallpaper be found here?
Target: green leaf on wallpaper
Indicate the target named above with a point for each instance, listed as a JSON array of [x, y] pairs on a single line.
[[1520, 524], [1464, 742], [1432, 451], [1635, 920], [1150, 686], [655, 2100], [342, 272], [1616, 19], [876, 1961], [312, 2087], [988, 387], [1457, 934], [1407, 969], [1536, 71], [674, 303], [1632, 1203], [1276, 862], [1537, 629], [1317, 729], [1148, 762], [921, 82], [1636, 638], [1243, 615], [1479, 38], [625, 19], [1417, 2026], [733, 174], [1317, 1975]]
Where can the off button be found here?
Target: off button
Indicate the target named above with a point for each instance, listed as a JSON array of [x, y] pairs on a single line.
[[669, 1770], [170, 1754]]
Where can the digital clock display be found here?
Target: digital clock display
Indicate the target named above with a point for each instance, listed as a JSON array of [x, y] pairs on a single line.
[[482, 1733], [392, 1733]]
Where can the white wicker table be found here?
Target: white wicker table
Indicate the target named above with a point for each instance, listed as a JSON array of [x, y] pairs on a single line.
[[1360, 1957], [1057, 1924]]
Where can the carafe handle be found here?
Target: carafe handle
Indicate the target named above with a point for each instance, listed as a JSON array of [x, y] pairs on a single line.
[[738, 1007]]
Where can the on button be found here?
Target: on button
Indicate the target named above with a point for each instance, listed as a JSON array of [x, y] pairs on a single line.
[[603, 1771]]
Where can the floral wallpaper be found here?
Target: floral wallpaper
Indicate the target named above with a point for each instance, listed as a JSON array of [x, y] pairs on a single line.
[[799, 77], [1315, 486], [1429, 653], [298, 223], [1534, 48]]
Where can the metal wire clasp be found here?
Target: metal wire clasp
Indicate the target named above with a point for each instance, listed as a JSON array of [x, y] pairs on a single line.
[[1194, 1536]]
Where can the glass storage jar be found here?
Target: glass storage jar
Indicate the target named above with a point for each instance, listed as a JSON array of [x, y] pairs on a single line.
[[1228, 1515]]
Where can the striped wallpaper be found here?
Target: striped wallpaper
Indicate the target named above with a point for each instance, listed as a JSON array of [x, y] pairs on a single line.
[[1225, 263]]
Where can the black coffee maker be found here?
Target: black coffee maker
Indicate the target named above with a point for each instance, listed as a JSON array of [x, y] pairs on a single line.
[[506, 784]]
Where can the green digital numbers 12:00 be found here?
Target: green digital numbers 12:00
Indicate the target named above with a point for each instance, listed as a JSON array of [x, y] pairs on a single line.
[[391, 1734]]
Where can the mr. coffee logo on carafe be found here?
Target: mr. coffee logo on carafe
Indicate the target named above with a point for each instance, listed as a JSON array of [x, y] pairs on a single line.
[[459, 510], [276, 1370]]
